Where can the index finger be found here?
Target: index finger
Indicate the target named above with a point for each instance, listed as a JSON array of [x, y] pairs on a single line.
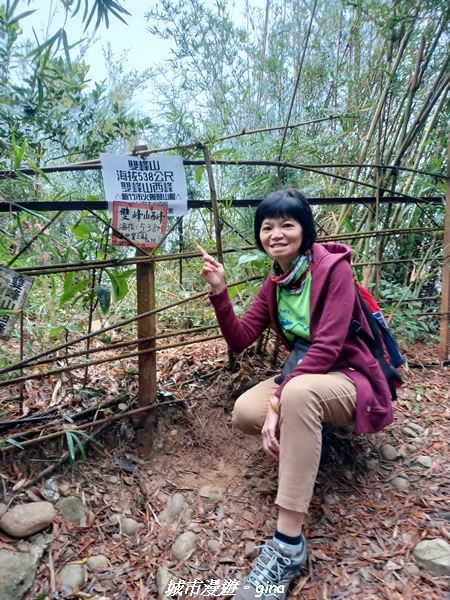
[[201, 250], [204, 253]]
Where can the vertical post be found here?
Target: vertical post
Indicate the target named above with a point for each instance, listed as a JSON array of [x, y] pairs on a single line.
[[377, 216], [217, 222], [214, 205], [21, 384], [445, 300], [181, 248], [377, 238], [146, 301]]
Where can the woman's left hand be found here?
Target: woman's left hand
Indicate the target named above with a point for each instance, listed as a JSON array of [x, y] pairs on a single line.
[[269, 434]]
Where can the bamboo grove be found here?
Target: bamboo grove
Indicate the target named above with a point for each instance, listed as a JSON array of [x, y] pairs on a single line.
[[348, 101]]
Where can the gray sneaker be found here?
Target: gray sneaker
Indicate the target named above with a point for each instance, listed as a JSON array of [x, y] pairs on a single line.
[[272, 573]]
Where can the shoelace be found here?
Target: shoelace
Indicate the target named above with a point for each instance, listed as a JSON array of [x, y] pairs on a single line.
[[271, 571]]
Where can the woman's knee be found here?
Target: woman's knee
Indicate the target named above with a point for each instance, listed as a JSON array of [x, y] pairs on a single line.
[[245, 418], [242, 417], [300, 396]]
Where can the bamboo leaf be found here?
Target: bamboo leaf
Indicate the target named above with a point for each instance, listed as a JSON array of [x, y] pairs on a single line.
[[15, 443], [89, 437], [21, 16], [119, 282], [104, 297], [70, 447], [81, 448], [73, 290], [199, 174]]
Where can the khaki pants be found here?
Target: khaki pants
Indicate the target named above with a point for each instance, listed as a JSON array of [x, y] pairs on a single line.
[[307, 401]]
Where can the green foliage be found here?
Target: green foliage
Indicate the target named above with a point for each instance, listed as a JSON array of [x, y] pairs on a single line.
[[119, 282], [373, 89], [407, 319], [74, 444], [258, 261], [103, 8], [104, 297], [49, 115], [72, 291]]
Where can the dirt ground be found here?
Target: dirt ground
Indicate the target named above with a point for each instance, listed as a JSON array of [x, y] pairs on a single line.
[[361, 530]]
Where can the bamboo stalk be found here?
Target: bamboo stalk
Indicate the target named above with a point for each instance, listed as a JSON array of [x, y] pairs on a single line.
[[106, 360], [85, 265], [300, 69], [263, 55], [96, 163], [368, 137], [438, 88], [28, 244], [256, 163], [214, 204], [48, 425], [119, 324], [399, 210], [445, 303], [134, 342]]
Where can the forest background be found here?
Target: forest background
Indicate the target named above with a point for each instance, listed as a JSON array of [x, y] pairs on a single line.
[[356, 92]]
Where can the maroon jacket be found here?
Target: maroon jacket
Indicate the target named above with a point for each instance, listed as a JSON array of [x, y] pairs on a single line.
[[334, 347]]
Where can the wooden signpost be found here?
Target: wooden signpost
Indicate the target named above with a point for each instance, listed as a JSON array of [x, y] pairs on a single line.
[[144, 192]]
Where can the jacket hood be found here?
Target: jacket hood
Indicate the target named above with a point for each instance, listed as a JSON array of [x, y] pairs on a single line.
[[332, 251]]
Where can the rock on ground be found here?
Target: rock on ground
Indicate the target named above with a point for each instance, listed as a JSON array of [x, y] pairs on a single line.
[[388, 452], [129, 526], [400, 483], [210, 494], [51, 490], [72, 508], [72, 576], [27, 519], [434, 555], [17, 569], [97, 563], [424, 461], [163, 578], [184, 545], [175, 507], [213, 546]]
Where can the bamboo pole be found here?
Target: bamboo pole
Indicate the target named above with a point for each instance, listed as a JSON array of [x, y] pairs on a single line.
[[146, 303], [248, 163], [51, 468], [116, 326], [377, 218], [107, 359], [124, 344], [30, 243], [214, 204], [445, 302], [378, 110], [299, 74]]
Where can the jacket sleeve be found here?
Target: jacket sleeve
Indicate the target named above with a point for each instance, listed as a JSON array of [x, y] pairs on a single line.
[[241, 333], [335, 314]]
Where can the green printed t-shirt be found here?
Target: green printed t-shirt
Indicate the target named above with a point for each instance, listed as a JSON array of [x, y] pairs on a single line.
[[294, 311]]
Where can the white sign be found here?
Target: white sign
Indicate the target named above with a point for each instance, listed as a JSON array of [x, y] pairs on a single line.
[[153, 179], [142, 224], [14, 288]]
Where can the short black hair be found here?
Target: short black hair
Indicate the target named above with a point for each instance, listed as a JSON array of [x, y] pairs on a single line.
[[287, 204]]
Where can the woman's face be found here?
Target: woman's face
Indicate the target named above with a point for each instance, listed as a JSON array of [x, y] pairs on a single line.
[[281, 238]]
